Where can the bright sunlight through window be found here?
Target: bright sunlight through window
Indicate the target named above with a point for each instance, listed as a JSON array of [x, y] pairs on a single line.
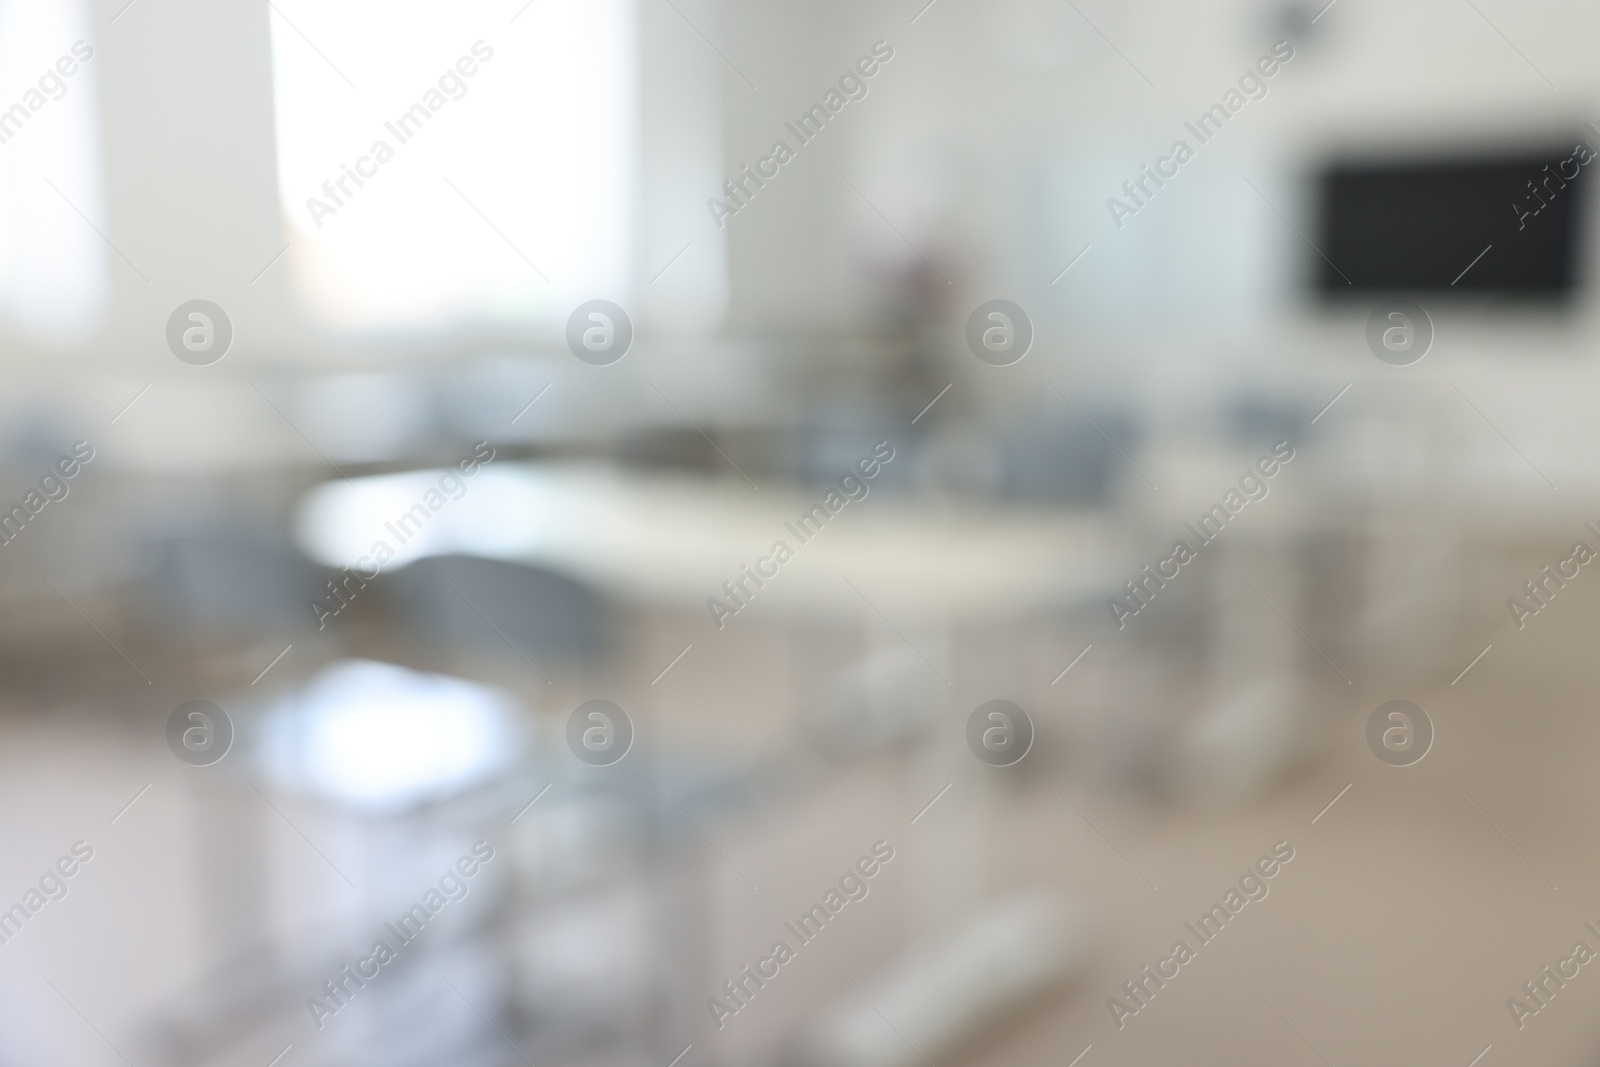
[[441, 164], [54, 267]]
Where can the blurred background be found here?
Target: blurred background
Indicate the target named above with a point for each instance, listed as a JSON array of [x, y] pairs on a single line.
[[388, 383]]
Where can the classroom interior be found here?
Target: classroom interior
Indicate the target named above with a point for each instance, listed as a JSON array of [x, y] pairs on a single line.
[[679, 533]]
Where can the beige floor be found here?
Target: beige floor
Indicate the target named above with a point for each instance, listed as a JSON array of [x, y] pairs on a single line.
[[1395, 936], [1406, 919], [1414, 907]]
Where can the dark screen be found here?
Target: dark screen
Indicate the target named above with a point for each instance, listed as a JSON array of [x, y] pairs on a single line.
[[1417, 227]]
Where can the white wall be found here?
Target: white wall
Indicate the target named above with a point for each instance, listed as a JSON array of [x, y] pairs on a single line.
[[994, 138]]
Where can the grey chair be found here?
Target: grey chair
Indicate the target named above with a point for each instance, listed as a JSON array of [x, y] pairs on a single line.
[[476, 604]]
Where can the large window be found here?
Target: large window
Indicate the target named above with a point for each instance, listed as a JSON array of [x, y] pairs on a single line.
[[54, 266], [450, 163]]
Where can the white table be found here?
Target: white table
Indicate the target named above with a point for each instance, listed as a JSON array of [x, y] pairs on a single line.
[[677, 538]]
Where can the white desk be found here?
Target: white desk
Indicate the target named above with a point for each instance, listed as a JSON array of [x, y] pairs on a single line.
[[676, 538]]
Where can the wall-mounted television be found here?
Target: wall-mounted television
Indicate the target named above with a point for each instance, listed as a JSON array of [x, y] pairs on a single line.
[[1505, 224]]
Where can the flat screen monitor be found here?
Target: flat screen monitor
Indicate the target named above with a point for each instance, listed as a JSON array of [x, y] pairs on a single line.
[[1503, 225]]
